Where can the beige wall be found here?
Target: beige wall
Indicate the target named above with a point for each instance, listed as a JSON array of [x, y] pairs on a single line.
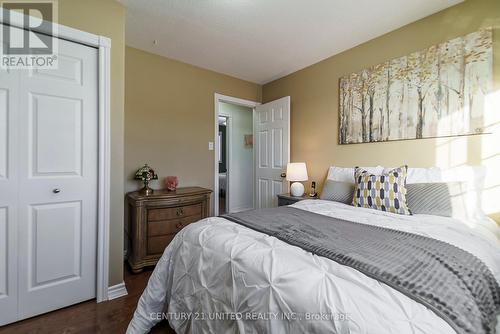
[[169, 117], [314, 96], [107, 18]]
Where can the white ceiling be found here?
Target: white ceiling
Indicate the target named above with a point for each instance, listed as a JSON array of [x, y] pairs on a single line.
[[263, 40]]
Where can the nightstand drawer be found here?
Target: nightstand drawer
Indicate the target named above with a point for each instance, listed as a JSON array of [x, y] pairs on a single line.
[[164, 227], [156, 245], [174, 213]]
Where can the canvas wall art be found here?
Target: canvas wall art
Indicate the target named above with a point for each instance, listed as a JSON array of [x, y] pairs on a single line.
[[436, 92]]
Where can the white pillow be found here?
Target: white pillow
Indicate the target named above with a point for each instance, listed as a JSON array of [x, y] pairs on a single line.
[[422, 175], [471, 176], [346, 174]]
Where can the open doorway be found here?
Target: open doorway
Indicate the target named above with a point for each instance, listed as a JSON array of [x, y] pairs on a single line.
[[223, 159], [234, 155]]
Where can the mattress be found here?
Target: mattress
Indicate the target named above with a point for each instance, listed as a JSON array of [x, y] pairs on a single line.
[[220, 277]]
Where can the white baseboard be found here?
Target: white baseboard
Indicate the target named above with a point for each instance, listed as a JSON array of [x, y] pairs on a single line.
[[117, 291]]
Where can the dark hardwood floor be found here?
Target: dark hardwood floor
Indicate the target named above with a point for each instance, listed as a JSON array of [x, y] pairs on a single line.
[[89, 317]]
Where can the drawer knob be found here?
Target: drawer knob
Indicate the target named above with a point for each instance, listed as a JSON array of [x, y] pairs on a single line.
[[180, 212], [180, 225]]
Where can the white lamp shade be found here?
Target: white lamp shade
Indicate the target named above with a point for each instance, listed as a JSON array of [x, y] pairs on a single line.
[[296, 171]]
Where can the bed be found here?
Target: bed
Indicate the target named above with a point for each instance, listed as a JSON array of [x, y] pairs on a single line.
[[216, 268]]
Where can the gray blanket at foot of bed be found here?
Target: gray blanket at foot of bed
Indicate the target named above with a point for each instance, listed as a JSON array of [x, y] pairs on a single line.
[[455, 284]]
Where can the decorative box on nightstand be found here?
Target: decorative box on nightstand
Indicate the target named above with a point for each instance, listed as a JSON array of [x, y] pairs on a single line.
[[287, 199], [154, 220]]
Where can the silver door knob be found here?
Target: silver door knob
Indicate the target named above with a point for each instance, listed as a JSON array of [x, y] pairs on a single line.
[[56, 191], [283, 175]]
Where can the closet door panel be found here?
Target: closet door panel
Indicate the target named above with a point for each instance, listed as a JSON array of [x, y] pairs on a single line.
[[55, 122], [58, 152], [55, 259], [4, 133], [9, 83]]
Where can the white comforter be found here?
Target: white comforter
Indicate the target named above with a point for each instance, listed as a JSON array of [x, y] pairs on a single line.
[[216, 269]]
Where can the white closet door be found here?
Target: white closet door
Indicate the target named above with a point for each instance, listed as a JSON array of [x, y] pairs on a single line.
[[272, 150], [57, 171], [9, 83]]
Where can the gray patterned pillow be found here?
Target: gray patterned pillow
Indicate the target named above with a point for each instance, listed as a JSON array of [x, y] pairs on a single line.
[[438, 199], [338, 191]]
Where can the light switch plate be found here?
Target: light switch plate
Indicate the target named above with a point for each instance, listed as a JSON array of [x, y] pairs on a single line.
[[210, 145]]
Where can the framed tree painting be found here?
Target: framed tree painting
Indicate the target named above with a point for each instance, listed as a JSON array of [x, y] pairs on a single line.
[[437, 92]]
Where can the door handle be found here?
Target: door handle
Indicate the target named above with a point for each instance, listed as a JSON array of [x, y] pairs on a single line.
[[56, 191], [283, 175]]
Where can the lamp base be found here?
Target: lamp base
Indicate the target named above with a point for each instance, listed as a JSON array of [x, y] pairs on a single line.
[[146, 191], [297, 189]]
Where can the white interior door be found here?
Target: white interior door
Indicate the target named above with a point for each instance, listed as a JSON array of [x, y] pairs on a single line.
[[9, 83], [272, 150], [50, 193]]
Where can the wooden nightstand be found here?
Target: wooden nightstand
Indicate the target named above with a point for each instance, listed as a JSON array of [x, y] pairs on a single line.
[[154, 220], [287, 199]]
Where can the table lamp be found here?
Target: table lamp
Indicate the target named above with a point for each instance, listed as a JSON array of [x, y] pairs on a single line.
[[146, 174], [296, 172]]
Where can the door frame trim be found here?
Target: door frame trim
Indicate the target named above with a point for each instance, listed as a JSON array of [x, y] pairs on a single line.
[[103, 45], [233, 100]]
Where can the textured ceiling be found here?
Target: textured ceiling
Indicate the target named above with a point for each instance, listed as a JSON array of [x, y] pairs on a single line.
[[263, 40]]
